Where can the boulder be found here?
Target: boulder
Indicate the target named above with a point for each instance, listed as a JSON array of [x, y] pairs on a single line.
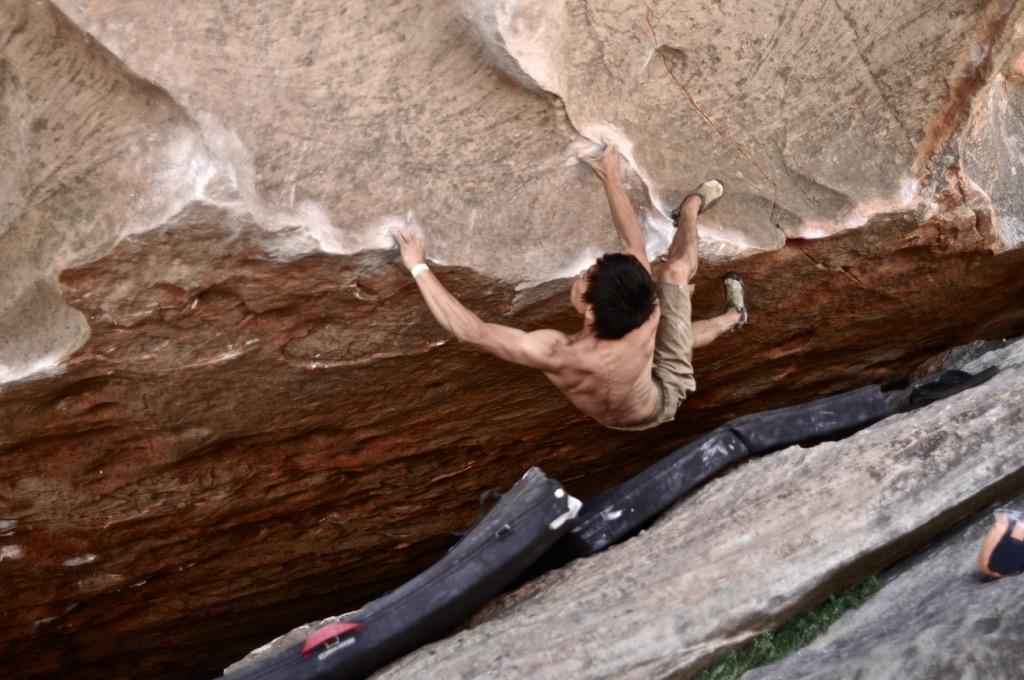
[[225, 410], [342, 120], [936, 618], [936, 615], [754, 547]]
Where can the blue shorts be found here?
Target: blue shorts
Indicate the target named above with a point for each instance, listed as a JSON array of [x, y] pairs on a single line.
[[1007, 558]]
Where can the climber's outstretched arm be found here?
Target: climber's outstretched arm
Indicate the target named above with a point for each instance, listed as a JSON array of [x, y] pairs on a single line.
[[538, 349], [606, 167]]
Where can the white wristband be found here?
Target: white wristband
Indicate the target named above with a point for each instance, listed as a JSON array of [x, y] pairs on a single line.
[[417, 269]]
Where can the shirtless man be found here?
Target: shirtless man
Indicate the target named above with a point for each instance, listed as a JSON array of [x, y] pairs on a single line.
[[629, 367]]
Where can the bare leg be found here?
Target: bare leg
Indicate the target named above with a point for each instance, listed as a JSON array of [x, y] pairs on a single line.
[[706, 331], [989, 543], [681, 264]]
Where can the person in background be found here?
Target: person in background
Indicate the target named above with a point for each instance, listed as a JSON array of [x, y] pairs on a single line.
[[1002, 550]]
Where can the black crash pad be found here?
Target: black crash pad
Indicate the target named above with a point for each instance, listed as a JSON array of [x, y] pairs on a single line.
[[523, 524], [621, 511]]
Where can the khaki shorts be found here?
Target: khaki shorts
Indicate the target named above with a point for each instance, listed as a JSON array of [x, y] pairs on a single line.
[[673, 355]]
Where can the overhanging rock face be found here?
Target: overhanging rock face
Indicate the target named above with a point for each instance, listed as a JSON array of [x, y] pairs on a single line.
[[225, 409], [754, 547], [339, 120]]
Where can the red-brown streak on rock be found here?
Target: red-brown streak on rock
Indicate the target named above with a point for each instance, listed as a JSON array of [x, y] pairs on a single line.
[[693, 102], [230, 489], [965, 82]]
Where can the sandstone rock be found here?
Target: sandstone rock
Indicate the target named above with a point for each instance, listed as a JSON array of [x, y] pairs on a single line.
[[750, 548], [937, 618], [936, 615], [399, 107], [267, 442], [225, 409], [353, 118]]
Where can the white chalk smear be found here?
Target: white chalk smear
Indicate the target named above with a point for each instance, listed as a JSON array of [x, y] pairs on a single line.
[[48, 619], [230, 353], [378, 236], [217, 168], [318, 223], [910, 189], [525, 39], [583, 261], [598, 135], [80, 560], [859, 215], [11, 552], [49, 365]]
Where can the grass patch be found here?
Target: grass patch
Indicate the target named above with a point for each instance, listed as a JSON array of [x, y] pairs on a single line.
[[792, 635]]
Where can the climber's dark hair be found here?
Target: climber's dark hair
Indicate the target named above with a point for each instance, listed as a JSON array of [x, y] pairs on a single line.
[[622, 293]]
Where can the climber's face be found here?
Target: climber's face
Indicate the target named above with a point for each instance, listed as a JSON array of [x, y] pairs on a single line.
[[580, 283]]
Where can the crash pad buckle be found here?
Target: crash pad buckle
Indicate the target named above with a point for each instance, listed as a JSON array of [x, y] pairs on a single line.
[[330, 636]]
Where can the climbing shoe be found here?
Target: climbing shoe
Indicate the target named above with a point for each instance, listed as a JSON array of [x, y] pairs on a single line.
[[709, 192], [734, 296]]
